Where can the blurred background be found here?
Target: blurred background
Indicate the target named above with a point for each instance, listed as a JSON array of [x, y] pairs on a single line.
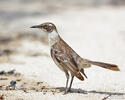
[[14, 14], [95, 29]]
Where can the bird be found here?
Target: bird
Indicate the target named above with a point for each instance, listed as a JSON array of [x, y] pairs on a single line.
[[66, 58]]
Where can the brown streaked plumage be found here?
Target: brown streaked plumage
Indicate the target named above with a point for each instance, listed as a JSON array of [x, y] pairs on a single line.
[[66, 58]]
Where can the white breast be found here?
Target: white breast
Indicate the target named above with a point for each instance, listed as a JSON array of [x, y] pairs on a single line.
[[53, 37]]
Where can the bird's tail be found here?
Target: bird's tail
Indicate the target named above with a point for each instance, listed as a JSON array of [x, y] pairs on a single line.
[[105, 65]]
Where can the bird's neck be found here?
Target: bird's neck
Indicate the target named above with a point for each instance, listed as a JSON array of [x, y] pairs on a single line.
[[53, 37]]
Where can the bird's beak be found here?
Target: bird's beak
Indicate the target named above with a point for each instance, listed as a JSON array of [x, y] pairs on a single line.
[[36, 26]]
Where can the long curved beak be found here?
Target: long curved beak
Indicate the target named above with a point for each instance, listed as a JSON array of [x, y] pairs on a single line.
[[35, 26]]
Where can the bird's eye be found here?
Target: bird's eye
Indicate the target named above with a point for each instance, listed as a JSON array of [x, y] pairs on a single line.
[[45, 26], [48, 28]]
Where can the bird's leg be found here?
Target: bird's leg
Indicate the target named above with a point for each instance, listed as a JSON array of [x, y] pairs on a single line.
[[71, 83], [67, 76]]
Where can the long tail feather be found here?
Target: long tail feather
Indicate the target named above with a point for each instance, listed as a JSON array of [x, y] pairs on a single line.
[[105, 65]]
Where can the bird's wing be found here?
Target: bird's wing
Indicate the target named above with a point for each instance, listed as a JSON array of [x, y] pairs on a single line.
[[67, 61]]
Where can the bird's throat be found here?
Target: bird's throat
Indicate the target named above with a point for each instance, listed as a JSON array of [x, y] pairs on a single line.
[[53, 38]]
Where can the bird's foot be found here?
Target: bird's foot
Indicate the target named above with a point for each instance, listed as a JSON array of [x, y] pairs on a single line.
[[70, 90], [66, 92]]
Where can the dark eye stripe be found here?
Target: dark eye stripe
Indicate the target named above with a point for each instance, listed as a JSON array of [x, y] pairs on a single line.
[[48, 28], [45, 26]]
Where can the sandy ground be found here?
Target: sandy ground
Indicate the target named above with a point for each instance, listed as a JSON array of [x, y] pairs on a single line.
[[96, 34]]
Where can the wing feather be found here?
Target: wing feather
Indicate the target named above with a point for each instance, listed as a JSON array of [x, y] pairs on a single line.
[[67, 61]]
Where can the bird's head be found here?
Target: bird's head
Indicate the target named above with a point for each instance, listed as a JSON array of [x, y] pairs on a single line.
[[46, 27]]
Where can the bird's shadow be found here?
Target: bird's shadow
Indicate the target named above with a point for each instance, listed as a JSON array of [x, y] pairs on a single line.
[[62, 89]]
